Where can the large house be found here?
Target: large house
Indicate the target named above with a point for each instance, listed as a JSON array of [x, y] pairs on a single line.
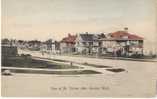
[[67, 44], [122, 43], [87, 43]]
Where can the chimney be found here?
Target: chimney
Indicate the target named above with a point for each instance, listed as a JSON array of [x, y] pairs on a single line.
[[126, 29]]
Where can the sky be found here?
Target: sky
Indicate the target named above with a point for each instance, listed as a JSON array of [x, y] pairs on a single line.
[[43, 19]]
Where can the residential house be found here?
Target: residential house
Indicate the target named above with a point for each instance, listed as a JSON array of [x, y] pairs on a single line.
[[49, 46], [33, 45], [67, 44], [22, 44], [87, 43], [122, 43]]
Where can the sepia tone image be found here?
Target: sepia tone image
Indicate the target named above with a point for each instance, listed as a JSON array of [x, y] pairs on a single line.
[[79, 48]]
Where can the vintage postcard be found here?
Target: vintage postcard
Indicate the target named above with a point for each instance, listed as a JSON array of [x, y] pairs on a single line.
[[79, 48]]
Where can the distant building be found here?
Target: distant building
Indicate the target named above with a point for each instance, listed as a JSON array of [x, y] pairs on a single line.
[[33, 45], [122, 43], [87, 43], [67, 44], [48, 46], [22, 44]]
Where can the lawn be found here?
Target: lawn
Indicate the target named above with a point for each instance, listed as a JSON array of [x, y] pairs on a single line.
[[28, 62]]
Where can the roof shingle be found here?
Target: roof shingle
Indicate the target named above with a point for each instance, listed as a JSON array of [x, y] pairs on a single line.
[[69, 39], [123, 34]]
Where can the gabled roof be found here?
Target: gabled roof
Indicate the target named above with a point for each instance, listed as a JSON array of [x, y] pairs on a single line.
[[69, 39], [123, 35], [88, 37]]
